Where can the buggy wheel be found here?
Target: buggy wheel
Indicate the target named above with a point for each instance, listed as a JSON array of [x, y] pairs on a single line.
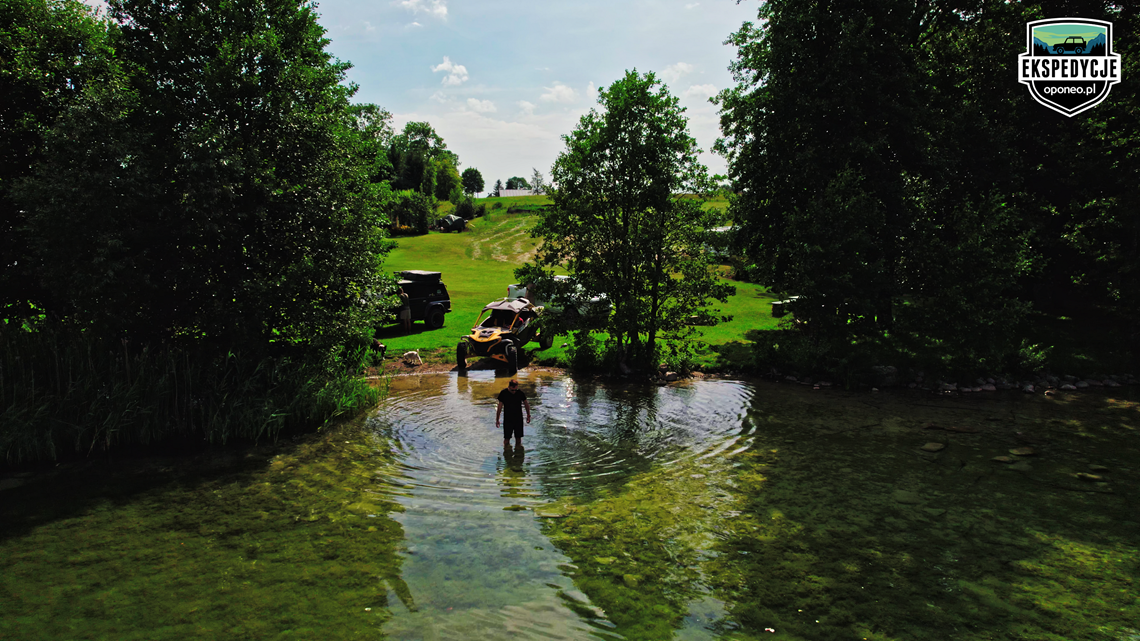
[[512, 358], [434, 318], [461, 355], [545, 340]]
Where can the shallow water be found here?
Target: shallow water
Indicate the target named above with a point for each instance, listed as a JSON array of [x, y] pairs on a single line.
[[703, 510]]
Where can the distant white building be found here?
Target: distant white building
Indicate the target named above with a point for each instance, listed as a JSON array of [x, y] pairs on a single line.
[[507, 193]]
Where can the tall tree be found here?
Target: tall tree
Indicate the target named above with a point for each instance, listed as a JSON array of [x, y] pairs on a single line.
[[517, 182], [472, 181], [498, 188], [851, 187], [52, 52], [537, 181], [619, 222], [222, 197]]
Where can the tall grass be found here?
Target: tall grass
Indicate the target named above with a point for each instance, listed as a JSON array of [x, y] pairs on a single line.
[[66, 393]]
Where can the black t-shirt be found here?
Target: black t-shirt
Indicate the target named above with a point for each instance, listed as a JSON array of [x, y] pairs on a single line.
[[512, 404]]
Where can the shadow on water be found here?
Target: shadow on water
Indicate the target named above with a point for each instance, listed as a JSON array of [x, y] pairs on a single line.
[[702, 510], [284, 540]]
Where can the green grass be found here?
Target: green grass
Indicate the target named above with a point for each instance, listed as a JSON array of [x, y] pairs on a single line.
[[478, 264]]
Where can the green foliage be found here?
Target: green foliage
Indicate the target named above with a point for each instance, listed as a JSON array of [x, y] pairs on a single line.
[[412, 213], [584, 353], [472, 181], [65, 393], [618, 225], [897, 220], [224, 202], [447, 182], [516, 182], [418, 155], [52, 52], [498, 188], [466, 209]]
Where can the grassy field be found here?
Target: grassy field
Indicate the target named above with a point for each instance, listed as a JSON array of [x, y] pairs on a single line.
[[478, 264]]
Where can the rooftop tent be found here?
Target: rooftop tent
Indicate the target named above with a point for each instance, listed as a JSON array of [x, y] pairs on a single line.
[[420, 275]]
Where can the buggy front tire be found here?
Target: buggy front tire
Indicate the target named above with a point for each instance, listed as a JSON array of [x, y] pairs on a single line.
[[512, 358], [545, 340]]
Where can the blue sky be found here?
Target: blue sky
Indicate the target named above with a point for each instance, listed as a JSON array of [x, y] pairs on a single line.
[[502, 80]]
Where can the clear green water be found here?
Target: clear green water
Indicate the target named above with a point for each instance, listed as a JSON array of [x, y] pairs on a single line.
[[706, 510]]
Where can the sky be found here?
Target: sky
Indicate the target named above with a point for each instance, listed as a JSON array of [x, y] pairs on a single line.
[[502, 80]]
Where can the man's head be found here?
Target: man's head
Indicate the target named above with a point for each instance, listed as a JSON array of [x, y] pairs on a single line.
[[513, 385]]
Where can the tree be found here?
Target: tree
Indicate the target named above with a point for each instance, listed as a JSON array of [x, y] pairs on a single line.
[[472, 181], [855, 195], [52, 52], [412, 153], [515, 182], [619, 222], [446, 176], [538, 181], [223, 201], [498, 188]]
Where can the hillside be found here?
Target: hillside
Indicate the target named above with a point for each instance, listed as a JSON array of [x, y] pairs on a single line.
[[478, 264]]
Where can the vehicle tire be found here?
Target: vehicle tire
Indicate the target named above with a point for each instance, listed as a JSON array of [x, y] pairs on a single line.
[[1059, 49], [1079, 50], [434, 318], [545, 340], [512, 358], [461, 356], [571, 316]]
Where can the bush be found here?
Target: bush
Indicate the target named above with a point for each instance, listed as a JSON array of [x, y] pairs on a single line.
[[465, 209], [481, 210], [411, 213], [584, 353], [66, 393], [498, 205]]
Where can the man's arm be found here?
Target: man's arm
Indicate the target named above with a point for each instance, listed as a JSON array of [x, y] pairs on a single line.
[[526, 404], [499, 413]]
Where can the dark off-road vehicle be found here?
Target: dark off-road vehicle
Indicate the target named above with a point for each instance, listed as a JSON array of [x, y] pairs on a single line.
[[1076, 44], [508, 326], [427, 296], [451, 222]]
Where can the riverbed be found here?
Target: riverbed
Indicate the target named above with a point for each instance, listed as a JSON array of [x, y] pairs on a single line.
[[718, 509]]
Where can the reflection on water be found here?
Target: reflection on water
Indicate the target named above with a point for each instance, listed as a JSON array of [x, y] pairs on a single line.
[[704, 510]]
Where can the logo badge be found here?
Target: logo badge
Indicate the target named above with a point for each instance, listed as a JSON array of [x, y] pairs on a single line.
[[1068, 64]]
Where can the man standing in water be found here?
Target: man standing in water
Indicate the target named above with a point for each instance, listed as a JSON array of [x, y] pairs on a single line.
[[514, 401]]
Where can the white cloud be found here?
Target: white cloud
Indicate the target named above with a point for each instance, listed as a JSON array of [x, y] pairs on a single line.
[[481, 106], [368, 26], [527, 107], [439, 96], [673, 73], [693, 5], [437, 8], [700, 91], [559, 93], [592, 92], [412, 25], [456, 74]]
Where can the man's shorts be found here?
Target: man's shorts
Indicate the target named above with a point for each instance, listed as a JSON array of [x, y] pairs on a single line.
[[512, 427]]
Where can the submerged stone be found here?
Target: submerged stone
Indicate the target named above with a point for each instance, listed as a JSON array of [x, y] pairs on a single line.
[[1085, 476], [934, 447], [906, 497], [1023, 451], [1003, 459]]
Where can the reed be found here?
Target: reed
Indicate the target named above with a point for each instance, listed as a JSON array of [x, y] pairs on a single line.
[[65, 393]]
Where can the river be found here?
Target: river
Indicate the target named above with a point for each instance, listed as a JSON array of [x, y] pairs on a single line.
[[706, 509]]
